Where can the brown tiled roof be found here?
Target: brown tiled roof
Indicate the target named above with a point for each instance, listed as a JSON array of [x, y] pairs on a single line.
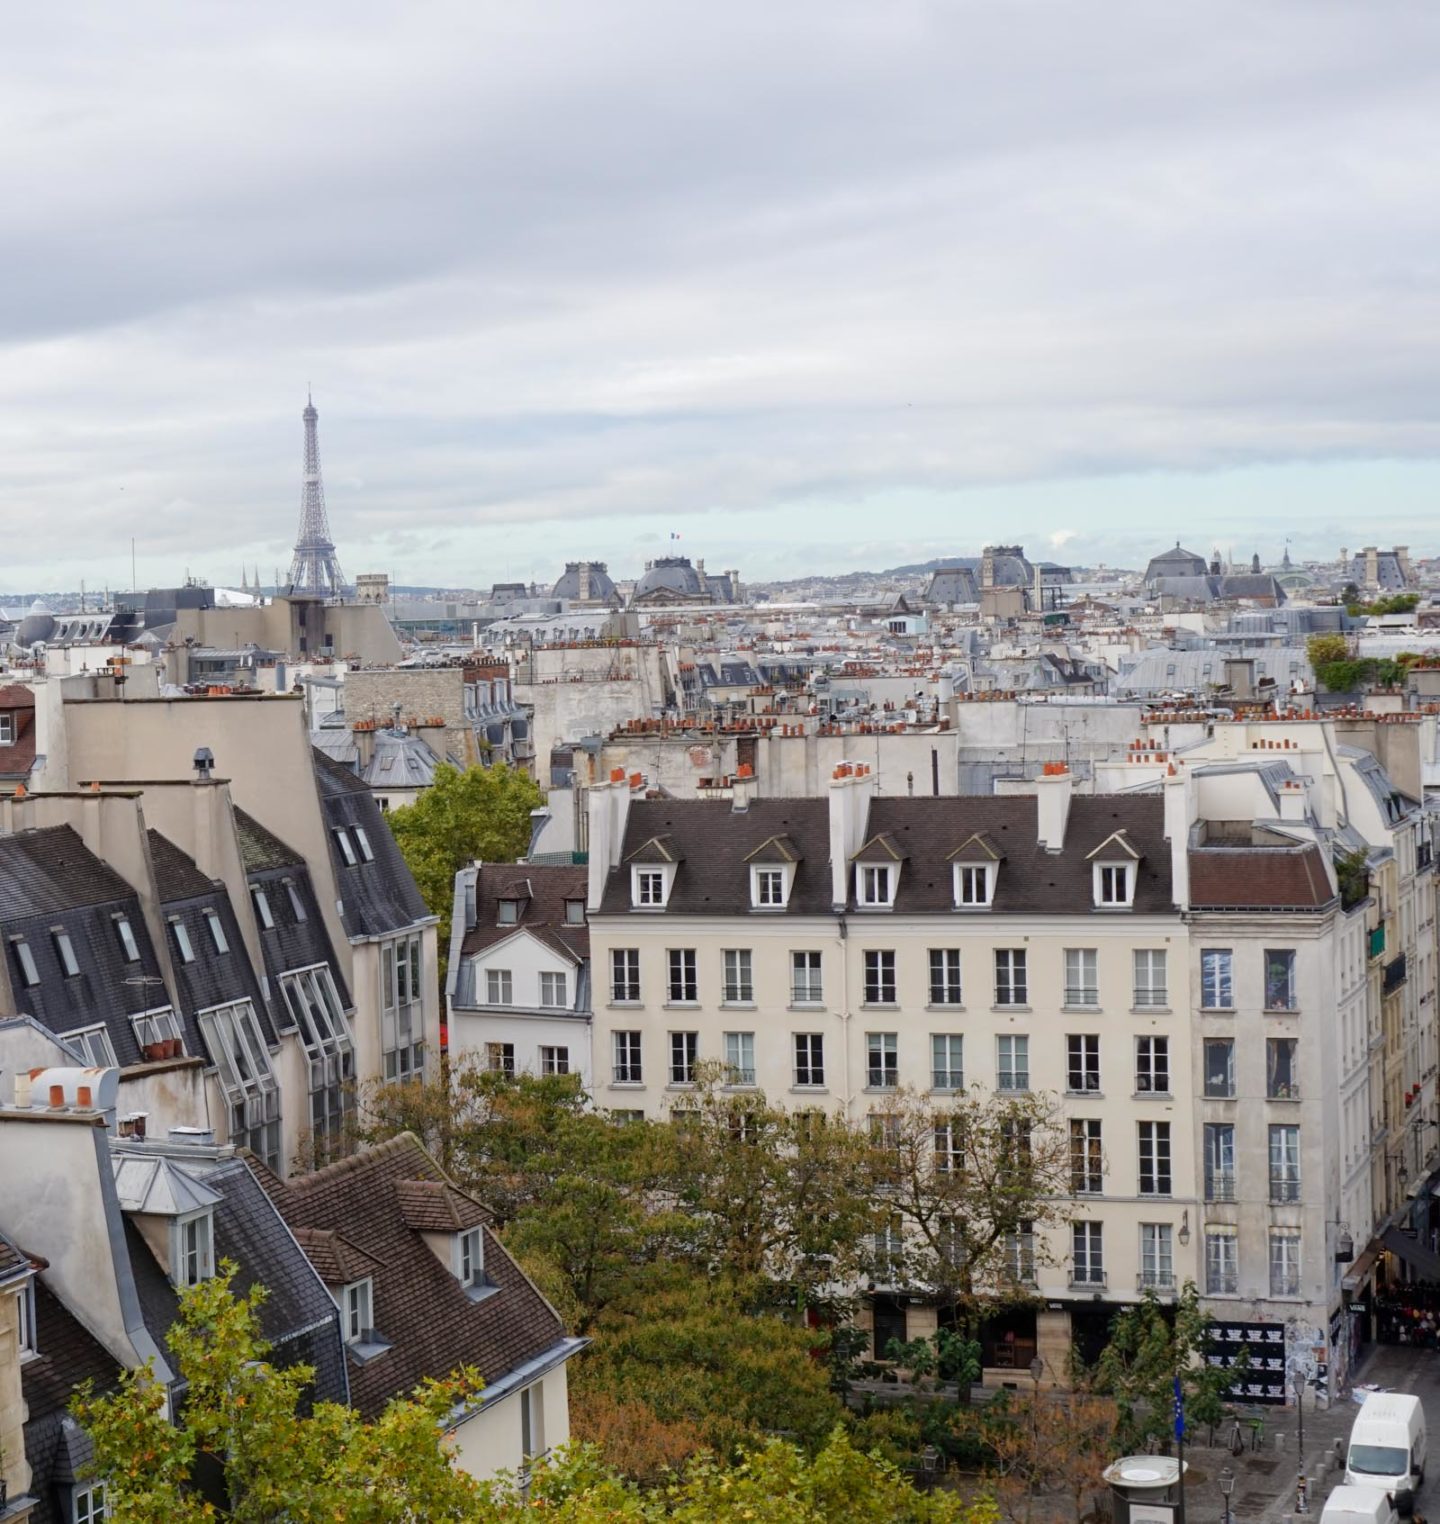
[[659, 849], [17, 759], [433, 1206], [432, 1325], [976, 849], [543, 913], [13, 1263], [713, 878], [337, 1261], [1259, 878], [880, 848], [779, 849]]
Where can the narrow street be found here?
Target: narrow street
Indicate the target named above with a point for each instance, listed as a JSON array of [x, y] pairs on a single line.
[[1265, 1479]]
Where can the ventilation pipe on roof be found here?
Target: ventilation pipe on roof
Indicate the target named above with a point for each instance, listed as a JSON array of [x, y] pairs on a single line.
[[204, 764]]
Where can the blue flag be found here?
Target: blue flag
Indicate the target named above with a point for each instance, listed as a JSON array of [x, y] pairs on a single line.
[[1179, 1411]]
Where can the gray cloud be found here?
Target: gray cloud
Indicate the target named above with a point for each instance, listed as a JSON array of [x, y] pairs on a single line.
[[555, 270]]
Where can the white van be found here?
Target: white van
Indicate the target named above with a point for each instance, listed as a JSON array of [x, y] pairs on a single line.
[[1387, 1444], [1359, 1505]]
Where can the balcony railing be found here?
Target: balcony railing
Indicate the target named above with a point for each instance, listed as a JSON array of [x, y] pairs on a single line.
[[1082, 994], [1226, 1283], [1396, 972], [1283, 1188], [1087, 1277], [1220, 1187], [947, 1079], [1155, 1280]]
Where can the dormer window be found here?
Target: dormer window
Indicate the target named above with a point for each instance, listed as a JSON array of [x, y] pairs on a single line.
[[263, 913], [217, 932], [470, 1258], [770, 886], [182, 941], [128, 946], [65, 952], [650, 887], [509, 912], [29, 974], [875, 886], [362, 841], [357, 1311], [192, 1249], [974, 885], [28, 1341], [297, 905], [7, 729], [574, 912], [1114, 885], [344, 845]]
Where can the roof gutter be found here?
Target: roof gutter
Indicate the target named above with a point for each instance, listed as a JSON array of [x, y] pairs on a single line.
[[513, 1381]]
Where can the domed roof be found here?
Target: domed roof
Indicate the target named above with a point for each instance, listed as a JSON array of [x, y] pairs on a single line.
[[600, 588], [38, 624], [673, 574]]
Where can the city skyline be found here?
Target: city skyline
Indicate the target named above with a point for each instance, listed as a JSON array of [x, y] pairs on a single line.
[[827, 290]]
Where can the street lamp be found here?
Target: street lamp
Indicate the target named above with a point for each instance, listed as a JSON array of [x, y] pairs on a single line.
[[1227, 1486], [1297, 1384]]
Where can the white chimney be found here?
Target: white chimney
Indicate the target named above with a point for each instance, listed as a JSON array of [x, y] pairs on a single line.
[[598, 808], [1180, 811], [742, 788], [1292, 800], [1052, 805], [852, 785]]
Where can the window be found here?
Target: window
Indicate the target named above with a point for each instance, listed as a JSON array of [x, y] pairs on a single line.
[[769, 888], [1154, 1158], [627, 1070], [507, 912], [183, 945], [805, 985], [217, 932], [684, 984], [879, 977], [739, 1058], [684, 1055], [1150, 979], [876, 885], [29, 974], [1087, 1254], [363, 842], [498, 986], [1282, 1072], [1217, 990], [949, 1148], [974, 886], [343, 845], [65, 951], [1222, 1262], [1157, 1255], [1284, 1262], [263, 913], [159, 1025], [885, 1129], [1152, 1065], [94, 1042], [1010, 985], [1113, 884], [500, 1058], [944, 976], [625, 975], [193, 1249], [470, 1257], [297, 905], [1280, 980], [314, 1004], [649, 888], [242, 1061], [574, 912], [356, 1310], [552, 992], [7, 729], [1087, 1157], [1219, 1068], [532, 1420], [25, 1334], [91, 1506], [1082, 1063], [1219, 1161], [888, 1247], [1082, 981], [739, 985], [1012, 1063], [402, 1014], [554, 1060], [1020, 1254], [128, 947], [809, 1059], [882, 1070], [947, 1062], [1285, 1163]]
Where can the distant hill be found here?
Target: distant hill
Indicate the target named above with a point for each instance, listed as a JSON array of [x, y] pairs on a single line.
[[920, 568]]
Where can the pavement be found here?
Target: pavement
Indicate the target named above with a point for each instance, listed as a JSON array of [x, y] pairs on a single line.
[[1265, 1479]]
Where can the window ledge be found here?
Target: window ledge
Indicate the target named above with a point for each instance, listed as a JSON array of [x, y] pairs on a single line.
[[680, 1005], [881, 1089], [879, 1005], [364, 1351], [947, 1090], [1153, 1095], [809, 1090], [627, 1084], [1282, 1010], [946, 1005], [1151, 1010], [1013, 1090], [1012, 1010], [481, 1293], [1217, 1010], [1085, 1095], [1083, 1007], [737, 1005], [680, 1085], [806, 1005], [625, 1005], [1286, 1100]]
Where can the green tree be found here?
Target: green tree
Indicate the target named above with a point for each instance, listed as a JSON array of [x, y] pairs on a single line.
[[1150, 1346], [248, 1439], [1326, 649], [481, 813]]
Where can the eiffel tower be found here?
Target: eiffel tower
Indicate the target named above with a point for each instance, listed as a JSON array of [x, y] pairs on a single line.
[[314, 569]]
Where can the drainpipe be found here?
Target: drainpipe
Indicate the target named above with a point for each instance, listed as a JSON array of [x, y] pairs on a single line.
[[842, 938]]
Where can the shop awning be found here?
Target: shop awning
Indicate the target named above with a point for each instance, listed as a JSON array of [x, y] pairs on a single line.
[[1413, 1252], [1360, 1270]]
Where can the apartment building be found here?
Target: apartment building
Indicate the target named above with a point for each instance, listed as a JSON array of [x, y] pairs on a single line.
[[831, 951]]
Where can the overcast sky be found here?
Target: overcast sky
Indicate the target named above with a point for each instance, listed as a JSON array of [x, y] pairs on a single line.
[[813, 284]]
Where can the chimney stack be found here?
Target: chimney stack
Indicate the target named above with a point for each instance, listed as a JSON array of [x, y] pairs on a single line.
[[1052, 805], [1180, 811], [742, 787], [852, 786]]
